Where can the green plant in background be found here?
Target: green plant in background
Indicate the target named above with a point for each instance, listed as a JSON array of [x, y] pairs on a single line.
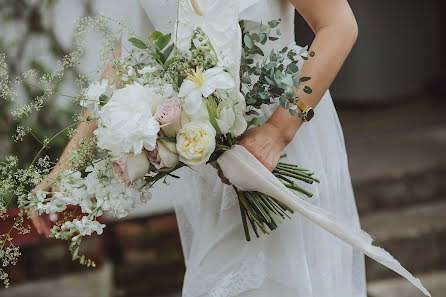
[[32, 17]]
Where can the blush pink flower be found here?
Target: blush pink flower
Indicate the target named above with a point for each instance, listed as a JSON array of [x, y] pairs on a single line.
[[168, 114], [164, 156], [129, 168]]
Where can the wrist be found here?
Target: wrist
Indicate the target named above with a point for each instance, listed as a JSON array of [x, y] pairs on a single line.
[[285, 134], [282, 137]]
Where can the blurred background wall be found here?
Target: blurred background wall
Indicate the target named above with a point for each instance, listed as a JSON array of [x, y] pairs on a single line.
[[390, 99]]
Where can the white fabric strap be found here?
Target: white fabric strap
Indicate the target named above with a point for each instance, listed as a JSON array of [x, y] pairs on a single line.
[[248, 174]]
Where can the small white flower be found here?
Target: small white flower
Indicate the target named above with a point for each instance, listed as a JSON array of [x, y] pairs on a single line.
[[111, 195], [41, 195], [131, 71], [85, 226], [147, 69], [200, 84], [93, 95]]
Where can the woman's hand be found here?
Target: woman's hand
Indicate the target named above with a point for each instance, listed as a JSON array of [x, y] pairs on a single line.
[[265, 143], [42, 223]]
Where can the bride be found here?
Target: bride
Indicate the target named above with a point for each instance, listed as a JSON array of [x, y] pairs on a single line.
[[298, 259]]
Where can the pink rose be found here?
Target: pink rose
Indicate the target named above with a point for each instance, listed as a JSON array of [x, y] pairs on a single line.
[[164, 156], [129, 168], [168, 114]]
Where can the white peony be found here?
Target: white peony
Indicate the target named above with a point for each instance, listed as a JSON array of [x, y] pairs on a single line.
[[202, 84], [126, 123], [196, 142]]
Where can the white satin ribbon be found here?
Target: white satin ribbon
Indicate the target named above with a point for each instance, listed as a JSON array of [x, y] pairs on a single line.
[[248, 174]]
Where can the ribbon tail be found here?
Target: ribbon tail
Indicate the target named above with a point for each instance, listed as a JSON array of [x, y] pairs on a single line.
[[248, 174]]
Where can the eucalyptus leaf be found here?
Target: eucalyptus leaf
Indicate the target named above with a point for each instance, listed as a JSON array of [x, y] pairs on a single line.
[[273, 23], [246, 80], [263, 38], [292, 68], [247, 41], [283, 102], [308, 90], [269, 81], [303, 50], [252, 112]]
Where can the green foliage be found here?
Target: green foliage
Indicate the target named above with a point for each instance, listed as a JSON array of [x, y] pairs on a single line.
[[156, 46], [277, 74], [137, 43]]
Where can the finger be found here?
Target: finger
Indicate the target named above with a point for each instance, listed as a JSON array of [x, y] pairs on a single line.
[[36, 222], [46, 228], [223, 178]]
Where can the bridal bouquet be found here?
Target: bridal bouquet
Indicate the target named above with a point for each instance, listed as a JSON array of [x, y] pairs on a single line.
[[165, 107], [173, 108], [177, 100]]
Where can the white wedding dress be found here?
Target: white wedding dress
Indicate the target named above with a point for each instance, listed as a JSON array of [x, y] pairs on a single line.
[[299, 259]]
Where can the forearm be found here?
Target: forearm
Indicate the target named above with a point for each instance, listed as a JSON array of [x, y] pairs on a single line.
[[86, 127], [84, 130], [332, 44]]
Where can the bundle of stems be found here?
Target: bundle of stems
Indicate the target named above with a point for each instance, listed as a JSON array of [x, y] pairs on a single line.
[[264, 212]]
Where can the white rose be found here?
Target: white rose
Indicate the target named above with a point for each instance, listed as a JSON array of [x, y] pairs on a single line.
[[129, 168], [168, 114], [196, 142], [126, 123]]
